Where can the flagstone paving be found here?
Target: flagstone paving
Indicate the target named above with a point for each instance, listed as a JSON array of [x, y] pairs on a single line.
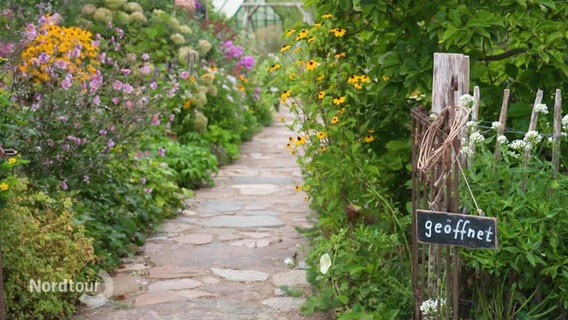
[[223, 258]]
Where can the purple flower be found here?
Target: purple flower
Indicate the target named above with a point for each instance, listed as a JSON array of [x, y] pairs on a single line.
[[96, 43], [44, 58], [102, 132], [119, 32], [31, 32], [61, 64], [185, 75], [66, 83], [117, 85], [86, 179], [155, 119], [247, 62], [145, 56], [102, 57], [110, 143], [50, 143], [116, 100], [125, 71], [127, 88], [97, 100], [64, 184], [172, 117], [162, 152], [153, 85], [145, 70], [129, 104], [62, 118], [143, 180], [67, 147], [148, 190]]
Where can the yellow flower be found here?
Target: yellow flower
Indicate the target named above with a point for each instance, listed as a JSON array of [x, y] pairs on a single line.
[[386, 78], [302, 34], [353, 79], [334, 120], [298, 188], [187, 104], [317, 25], [307, 187], [299, 62], [311, 65], [289, 146], [338, 32], [339, 55], [290, 32], [358, 86], [327, 16], [298, 49], [274, 67], [12, 160], [243, 78], [321, 77], [321, 134], [321, 94], [369, 138], [323, 149], [306, 198], [339, 100], [300, 141], [240, 87], [212, 68], [4, 186], [285, 95], [291, 139], [292, 76], [340, 112], [371, 130], [364, 78], [285, 48], [311, 39]]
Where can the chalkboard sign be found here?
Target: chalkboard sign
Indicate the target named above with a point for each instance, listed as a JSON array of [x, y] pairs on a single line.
[[456, 229]]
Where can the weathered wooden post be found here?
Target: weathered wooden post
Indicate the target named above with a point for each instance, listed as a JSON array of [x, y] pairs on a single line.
[[451, 79]]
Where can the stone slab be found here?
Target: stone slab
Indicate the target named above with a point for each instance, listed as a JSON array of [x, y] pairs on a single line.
[[240, 275], [283, 304], [195, 238], [262, 180], [153, 298], [251, 243], [256, 189], [243, 222], [291, 278], [215, 206], [173, 272], [173, 284], [256, 235], [124, 285]]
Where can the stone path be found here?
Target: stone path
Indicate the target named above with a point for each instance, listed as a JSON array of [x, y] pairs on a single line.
[[224, 257]]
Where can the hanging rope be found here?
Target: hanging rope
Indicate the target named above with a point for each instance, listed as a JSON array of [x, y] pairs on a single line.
[[428, 156]]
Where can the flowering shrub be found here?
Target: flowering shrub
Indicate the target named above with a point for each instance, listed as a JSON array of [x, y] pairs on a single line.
[[324, 83]]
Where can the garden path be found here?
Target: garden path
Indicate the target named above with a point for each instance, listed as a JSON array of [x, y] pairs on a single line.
[[223, 258]]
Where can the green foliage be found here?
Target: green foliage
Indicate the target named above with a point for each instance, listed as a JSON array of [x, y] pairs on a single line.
[[40, 241], [528, 274]]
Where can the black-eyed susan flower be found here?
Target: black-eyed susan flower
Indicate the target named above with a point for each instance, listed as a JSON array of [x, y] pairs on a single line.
[[302, 34], [274, 67], [289, 146], [306, 198], [311, 65], [335, 120], [321, 135], [340, 55], [300, 141], [358, 86], [327, 16], [369, 138], [340, 112], [321, 94], [371, 131], [290, 32], [240, 87], [298, 188], [386, 78], [339, 100], [364, 78], [320, 77], [292, 76], [285, 48], [311, 39], [353, 79], [323, 149], [291, 139], [338, 32], [317, 25], [298, 49]]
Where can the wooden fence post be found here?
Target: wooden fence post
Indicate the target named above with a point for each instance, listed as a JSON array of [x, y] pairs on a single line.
[[556, 133], [451, 79], [502, 122]]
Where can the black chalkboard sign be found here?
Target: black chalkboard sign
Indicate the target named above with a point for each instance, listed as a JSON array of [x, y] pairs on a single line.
[[456, 229]]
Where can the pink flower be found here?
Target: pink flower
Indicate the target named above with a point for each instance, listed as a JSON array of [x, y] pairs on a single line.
[[116, 100], [145, 56], [61, 64], [125, 71], [66, 83], [110, 143], [127, 88], [117, 85], [162, 152], [64, 184], [155, 119], [145, 70], [185, 75], [185, 4], [31, 32], [97, 100], [153, 85]]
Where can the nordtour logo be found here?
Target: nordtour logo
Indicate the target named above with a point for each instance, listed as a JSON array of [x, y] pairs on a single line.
[[94, 294]]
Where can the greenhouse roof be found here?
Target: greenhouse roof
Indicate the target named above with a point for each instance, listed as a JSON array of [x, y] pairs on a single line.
[[227, 7]]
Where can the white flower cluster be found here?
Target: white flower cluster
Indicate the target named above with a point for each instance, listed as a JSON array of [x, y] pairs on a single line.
[[465, 101], [429, 308], [532, 137], [565, 123], [495, 125], [502, 139], [476, 137], [519, 145], [541, 108]]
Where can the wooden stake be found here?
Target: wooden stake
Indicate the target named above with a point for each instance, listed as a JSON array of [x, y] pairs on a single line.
[[556, 133], [534, 118], [502, 122], [474, 118], [451, 78]]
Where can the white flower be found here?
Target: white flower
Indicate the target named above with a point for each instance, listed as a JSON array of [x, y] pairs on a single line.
[[532, 137], [565, 122], [518, 145], [467, 151], [514, 154], [502, 139], [429, 308], [495, 125], [289, 262], [476, 137], [325, 263], [470, 125], [465, 101], [541, 107]]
